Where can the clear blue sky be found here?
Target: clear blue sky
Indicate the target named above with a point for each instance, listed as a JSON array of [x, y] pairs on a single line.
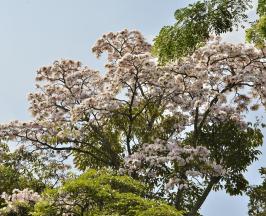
[[35, 33]]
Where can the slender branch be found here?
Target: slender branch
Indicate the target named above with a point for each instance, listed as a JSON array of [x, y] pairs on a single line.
[[68, 148]]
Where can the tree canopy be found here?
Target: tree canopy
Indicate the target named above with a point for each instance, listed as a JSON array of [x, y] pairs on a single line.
[[151, 121], [149, 138]]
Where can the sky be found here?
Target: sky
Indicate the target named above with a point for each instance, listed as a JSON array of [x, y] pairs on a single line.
[[34, 33]]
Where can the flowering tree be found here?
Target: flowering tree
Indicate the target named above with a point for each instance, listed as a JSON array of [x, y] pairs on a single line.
[[179, 127]]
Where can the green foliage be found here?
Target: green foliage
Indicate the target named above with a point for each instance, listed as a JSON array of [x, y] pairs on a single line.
[[261, 10], [22, 169], [103, 141], [233, 147], [257, 195], [194, 25], [147, 123], [257, 32], [101, 193], [12, 175], [230, 145]]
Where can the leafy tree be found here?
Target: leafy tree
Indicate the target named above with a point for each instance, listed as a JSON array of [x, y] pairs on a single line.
[[226, 150], [21, 169], [195, 24], [257, 195], [176, 127], [257, 32], [101, 193]]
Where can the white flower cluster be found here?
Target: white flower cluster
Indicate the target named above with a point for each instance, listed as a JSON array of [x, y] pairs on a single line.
[[18, 197], [151, 159]]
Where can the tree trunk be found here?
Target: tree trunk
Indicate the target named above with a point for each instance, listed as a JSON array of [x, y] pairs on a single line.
[[201, 200]]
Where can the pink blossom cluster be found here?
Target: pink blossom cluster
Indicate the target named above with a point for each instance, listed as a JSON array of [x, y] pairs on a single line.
[[153, 159], [13, 201]]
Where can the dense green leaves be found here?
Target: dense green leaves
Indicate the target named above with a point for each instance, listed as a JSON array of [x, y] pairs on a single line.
[[101, 193], [195, 24], [14, 173], [257, 32], [103, 141], [233, 147]]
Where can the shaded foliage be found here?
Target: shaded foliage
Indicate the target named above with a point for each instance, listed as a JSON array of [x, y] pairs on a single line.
[[235, 149], [257, 195]]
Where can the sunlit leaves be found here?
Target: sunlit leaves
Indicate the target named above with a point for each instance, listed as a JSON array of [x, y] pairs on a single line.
[[195, 24]]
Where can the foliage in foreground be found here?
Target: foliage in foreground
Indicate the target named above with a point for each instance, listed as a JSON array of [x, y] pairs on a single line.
[[93, 193]]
